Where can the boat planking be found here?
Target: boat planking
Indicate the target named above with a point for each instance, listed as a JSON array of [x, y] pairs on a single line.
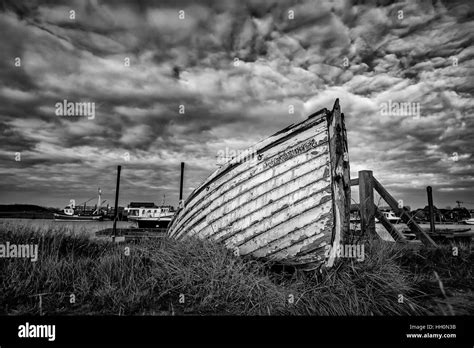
[[286, 199]]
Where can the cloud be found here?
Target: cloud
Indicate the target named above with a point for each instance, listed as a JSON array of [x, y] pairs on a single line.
[[236, 67]]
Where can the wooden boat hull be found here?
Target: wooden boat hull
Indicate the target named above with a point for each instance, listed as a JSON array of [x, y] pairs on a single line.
[[285, 199]]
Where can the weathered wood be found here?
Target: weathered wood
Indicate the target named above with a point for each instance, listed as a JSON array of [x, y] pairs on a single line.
[[258, 186], [396, 235], [273, 207], [340, 172], [422, 235], [244, 166], [366, 202], [277, 200], [274, 223], [242, 180], [355, 182], [429, 192]]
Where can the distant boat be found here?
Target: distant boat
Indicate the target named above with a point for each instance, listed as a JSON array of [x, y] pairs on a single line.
[[285, 199], [75, 217], [72, 213], [390, 216], [148, 215], [469, 221]]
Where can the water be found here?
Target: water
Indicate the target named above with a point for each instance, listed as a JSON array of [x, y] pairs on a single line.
[[76, 227]]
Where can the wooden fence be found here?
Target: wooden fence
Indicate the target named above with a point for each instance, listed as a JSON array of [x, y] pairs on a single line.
[[368, 210]]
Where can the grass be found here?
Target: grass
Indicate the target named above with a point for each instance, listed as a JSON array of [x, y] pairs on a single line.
[[167, 277]]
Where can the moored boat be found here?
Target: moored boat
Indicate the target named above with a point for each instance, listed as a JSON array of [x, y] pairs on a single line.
[[72, 213], [148, 215], [76, 217], [286, 199], [469, 221], [390, 216]]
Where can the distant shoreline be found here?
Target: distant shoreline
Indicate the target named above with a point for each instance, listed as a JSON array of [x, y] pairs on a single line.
[[27, 215], [26, 211]]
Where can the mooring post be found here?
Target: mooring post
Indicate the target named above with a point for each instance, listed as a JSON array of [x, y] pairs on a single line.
[[117, 188], [429, 191], [181, 183], [366, 202]]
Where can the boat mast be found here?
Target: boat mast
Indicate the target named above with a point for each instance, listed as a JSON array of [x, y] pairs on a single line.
[[99, 203]]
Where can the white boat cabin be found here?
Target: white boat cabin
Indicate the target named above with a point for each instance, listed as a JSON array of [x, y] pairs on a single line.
[[136, 210]]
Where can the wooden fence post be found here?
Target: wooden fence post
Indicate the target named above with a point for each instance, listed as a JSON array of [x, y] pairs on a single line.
[[429, 192], [181, 182], [366, 203], [117, 189]]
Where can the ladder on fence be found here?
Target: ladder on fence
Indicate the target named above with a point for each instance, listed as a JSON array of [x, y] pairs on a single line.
[[368, 210]]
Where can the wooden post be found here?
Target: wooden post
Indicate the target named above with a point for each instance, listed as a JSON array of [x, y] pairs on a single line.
[[181, 182], [422, 235], [117, 188], [366, 203], [429, 192]]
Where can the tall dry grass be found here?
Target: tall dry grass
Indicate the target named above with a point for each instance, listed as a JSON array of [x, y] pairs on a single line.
[[165, 277]]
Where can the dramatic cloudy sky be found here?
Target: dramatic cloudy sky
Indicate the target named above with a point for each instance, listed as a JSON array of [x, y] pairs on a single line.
[[300, 53]]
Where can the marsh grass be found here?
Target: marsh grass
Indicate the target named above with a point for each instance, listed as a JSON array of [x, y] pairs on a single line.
[[168, 277]]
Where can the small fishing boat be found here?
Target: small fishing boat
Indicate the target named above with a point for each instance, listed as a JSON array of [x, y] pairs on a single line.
[[286, 199], [72, 213], [69, 215]]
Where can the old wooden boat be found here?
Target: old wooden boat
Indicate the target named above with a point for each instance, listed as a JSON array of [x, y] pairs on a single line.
[[285, 199]]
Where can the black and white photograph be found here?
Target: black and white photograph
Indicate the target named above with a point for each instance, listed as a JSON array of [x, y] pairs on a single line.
[[255, 158]]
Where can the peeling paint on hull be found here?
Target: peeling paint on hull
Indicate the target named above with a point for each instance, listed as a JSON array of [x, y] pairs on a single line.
[[278, 204]]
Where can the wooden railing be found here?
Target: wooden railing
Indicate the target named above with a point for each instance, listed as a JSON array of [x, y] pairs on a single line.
[[368, 210]]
